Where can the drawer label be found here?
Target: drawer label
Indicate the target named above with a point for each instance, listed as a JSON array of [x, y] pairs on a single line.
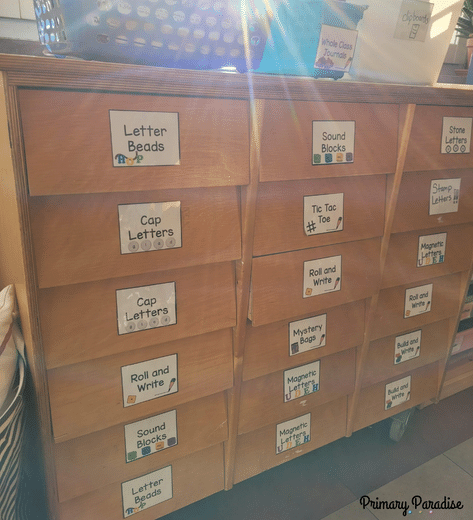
[[301, 381], [307, 334], [323, 214], [457, 345], [149, 380], [444, 196], [336, 48], [333, 142], [149, 227], [456, 135], [418, 300], [144, 138], [150, 435], [322, 276], [407, 347], [293, 433], [397, 392], [431, 249], [147, 307], [146, 491], [413, 21]]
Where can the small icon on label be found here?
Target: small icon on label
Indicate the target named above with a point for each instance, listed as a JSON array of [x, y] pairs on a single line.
[[132, 455], [170, 242], [153, 322], [328, 157], [158, 243], [308, 291], [159, 446], [131, 399], [317, 158], [462, 148], [130, 327], [455, 148], [146, 245], [142, 324], [349, 157], [448, 148], [172, 441], [133, 246], [294, 348], [165, 320], [146, 450], [339, 157]]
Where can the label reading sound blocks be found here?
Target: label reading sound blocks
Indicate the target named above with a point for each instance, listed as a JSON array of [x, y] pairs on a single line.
[[307, 334], [407, 347], [293, 433], [444, 196], [333, 142], [456, 135], [431, 249], [323, 213], [322, 276], [418, 300], [301, 381], [397, 392]]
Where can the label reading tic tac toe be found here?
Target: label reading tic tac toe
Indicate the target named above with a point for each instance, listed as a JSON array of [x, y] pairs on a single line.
[[431, 249], [150, 435], [397, 392], [323, 213], [149, 227], [301, 381], [456, 135], [307, 334], [418, 300], [293, 433], [407, 347], [146, 491], [322, 276], [146, 307], [336, 48], [333, 142], [149, 380], [444, 196]]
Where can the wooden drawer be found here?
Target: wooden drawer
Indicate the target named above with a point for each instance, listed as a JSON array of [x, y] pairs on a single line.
[[88, 397], [389, 318], [287, 139], [69, 145], [256, 451], [385, 361], [424, 386], [268, 348], [424, 151], [77, 237], [278, 291], [264, 400], [416, 191], [289, 213], [98, 459], [79, 322], [193, 477], [411, 255]]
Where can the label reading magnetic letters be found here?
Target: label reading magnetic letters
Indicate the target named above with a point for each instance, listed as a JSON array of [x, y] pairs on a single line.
[[444, 196], [418, 300], [301, 381], [322, 276], [407, 346], [323, 213], [413, 21], [456, 135], [336, 48], [293, 433], [307, 334], [333, 142], [431, 249], [397, 392]]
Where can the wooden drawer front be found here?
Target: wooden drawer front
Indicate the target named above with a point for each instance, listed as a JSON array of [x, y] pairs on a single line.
[[262, 399], [426, 138], [79, 322], [88, 397], [413, 205], [69, 150], [389, 318], [268, 347], [77, 237], [96, 460], [384, 361], [286, 139], [280, 224], [405, 253], [193, 477], [256, 451], [371, 405], [277, 280]]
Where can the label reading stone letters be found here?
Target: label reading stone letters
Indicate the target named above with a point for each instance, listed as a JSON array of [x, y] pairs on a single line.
[[146, 491], [149, 227], [333, 142], [456, 135], [407, 346], [150, 435], [149, 380], [323, 213], [431, 249], [301, 381], [397, 392], [413, 21], [336, 48], [293, 433], [444, 196], [144, 138], [322, 276], [146, 307], [418, 300], [307, 334]]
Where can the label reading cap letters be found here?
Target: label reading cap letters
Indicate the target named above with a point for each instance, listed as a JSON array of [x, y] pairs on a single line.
[[307, 334], [413, 21], [146, 491], [444, 196], [293, 433], [336, 48], [146, 307], [431, 249], [456, 135], [418, 300], [333, 142], [322, 276], [323, 214], [407, 347], [144, 138], [397, 392], [301, 381]]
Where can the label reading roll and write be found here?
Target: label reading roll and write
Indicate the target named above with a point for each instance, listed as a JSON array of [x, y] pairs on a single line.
[[323, 213], [293, 433], [456, 135], [444, 196], [301, 381], [431, 249], [397, 392], [322, 276], [407, 346], [333, 142], [307, 334], [418, 300]]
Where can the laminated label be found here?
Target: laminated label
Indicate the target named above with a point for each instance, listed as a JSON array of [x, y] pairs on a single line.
[[293, 433], [301, 381], [322, 276], [323, 214], [418, 300], [397, 392], [444, 196], [407, 346], [333, 142], [456, 135], [431, 249], [307, 334]]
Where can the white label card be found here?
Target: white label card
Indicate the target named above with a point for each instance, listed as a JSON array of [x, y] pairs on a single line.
[[444, 196], [144, 138], [413, 21], [301, 381], [323, 213], [407, 346], [149, 380], [150, 435], [147, 307], [322, 276], [149, 227], [397, 392], [458, 344], [456, 135], [431, 249], [307, 334], [333, 142], [336, 48], [418, 300], [146, 491], [293, 433]]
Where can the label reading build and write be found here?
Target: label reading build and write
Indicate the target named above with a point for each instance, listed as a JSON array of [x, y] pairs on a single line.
[[456, 135], [407, 347], [333, 142], [301, 381], [336, 48], [418, 300], [307, 334], [323, 213], [413, 20], [444, 196], [397, 392], [293, 433], [322, 276], [431, 249]]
